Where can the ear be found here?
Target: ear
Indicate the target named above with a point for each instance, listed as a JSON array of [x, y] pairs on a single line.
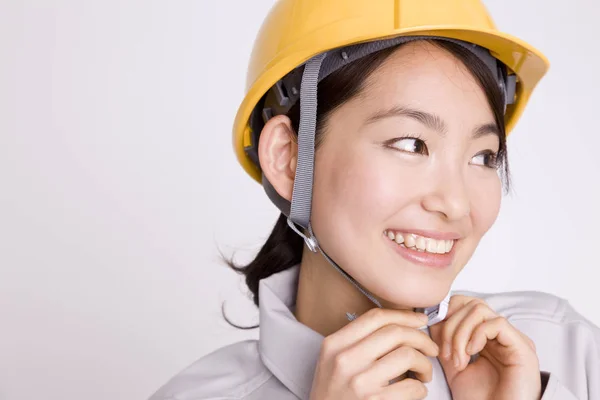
[[278, 154]]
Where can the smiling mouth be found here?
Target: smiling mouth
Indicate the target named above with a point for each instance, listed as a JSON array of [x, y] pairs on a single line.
[[420, 243]]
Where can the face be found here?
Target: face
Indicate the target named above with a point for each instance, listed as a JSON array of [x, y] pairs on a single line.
[[405, 182]]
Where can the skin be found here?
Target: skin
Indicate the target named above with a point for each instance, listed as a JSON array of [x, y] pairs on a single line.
[[365, 184]]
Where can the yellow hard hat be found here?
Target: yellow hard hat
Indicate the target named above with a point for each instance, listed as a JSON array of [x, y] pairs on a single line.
[[297, 30]]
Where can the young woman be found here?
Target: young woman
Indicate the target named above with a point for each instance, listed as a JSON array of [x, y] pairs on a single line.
[[379, 130]]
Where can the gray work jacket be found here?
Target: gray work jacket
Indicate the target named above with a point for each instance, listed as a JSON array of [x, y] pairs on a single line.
[[280, 365]]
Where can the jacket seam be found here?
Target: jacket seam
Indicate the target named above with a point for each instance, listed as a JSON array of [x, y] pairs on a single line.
[[557, 314], [269, 377], [242, 396], [580, 323], [272, 365]]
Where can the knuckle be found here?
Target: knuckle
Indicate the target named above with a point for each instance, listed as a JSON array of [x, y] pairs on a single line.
[[373, 397], [375, 313], [446, 332], [327, 346], [421, 391], [532, 344], [397, 331], [340, 364], [357, 385], [529, 342], [476, 300], [417, 389], [532, 347], [426, 339], [457, 298], [481, 307], [429, 368], [407, 353]]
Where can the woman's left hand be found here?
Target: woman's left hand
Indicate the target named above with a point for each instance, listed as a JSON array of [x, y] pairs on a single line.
[[507, 366]]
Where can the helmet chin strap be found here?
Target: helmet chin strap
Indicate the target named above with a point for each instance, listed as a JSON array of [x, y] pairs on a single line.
[[434, 314]]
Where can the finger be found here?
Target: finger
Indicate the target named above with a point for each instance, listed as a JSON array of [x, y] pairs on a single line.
[[528, 340], [397, 363], [452, 323], [505, 334], [457, 302], [388, 338], [478, 313], [355, 358], [409, 389], [368, 323]]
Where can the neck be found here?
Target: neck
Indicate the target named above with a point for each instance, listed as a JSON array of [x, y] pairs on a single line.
[[325, 296]]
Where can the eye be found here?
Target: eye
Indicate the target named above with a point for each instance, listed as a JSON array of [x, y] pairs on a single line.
[[486, 159], [409, 145]]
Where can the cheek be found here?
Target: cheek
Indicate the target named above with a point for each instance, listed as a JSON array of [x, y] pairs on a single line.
[[353, 192], [486, 196]]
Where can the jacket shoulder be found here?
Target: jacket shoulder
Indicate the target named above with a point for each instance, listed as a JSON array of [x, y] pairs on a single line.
[[567, 344], [230, 372], [535, 305]]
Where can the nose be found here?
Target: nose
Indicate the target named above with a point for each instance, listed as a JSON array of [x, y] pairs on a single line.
[[449, 197]]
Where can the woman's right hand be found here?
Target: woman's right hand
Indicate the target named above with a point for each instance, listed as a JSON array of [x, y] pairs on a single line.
[[358, 361]]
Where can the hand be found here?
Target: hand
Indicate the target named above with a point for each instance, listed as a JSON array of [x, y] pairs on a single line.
[[358, 361], [507, 366]]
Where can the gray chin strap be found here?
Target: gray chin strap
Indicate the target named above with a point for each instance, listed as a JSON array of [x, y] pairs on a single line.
[[285, 94]]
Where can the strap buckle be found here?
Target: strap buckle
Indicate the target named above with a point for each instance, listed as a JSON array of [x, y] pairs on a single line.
[[311, 241]]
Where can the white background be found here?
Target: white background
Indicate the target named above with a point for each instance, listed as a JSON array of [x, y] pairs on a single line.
[[118, 185]]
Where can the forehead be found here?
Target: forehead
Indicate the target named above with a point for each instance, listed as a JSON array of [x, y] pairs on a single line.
[[421, 74]]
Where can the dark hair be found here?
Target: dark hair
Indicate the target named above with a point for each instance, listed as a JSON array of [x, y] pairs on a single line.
[[283, 248]]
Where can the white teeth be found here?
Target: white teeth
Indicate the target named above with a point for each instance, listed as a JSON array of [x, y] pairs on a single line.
[[449, 244], [409, 241], [432, 245], [441, 246], [420, 243], [399, 238]]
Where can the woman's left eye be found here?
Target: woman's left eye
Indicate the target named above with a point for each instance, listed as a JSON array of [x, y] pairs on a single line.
[[487, 159]]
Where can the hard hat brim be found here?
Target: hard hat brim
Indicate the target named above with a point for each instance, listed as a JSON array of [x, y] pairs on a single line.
[[524, 60]]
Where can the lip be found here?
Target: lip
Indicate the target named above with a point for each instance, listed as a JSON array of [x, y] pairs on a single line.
[[429, 234], [423, 258]]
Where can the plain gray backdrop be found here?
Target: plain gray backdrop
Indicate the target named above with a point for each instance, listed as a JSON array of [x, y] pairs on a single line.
[[118, 186]]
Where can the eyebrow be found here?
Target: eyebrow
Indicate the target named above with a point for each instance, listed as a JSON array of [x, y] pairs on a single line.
[[431, 121]]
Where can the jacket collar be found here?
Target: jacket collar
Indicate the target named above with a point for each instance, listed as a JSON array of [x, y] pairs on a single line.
[[288, 348]]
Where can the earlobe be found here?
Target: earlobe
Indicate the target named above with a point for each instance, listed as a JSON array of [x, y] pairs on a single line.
[[278, 152]]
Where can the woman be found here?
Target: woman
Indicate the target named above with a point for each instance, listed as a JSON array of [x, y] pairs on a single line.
[[386, 188]]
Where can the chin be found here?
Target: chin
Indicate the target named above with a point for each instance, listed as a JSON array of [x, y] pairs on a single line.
[[415, 294]]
